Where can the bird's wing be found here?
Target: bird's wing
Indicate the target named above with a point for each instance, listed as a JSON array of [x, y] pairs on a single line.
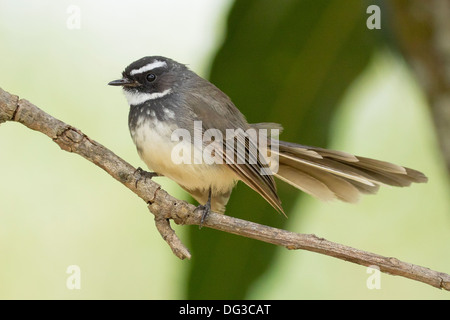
[[242, 156]]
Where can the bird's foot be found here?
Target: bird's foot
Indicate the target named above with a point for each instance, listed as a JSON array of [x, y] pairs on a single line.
[[144, 175], [206, 209]]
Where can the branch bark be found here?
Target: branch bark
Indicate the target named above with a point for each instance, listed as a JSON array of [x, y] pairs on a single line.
[[165, 208]]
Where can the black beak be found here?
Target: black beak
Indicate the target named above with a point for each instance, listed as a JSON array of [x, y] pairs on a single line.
[[123, 82]]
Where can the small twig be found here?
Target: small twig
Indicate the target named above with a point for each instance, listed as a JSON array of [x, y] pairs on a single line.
[[164, 207]]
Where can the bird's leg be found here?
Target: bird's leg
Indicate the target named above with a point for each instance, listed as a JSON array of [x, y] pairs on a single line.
[[205, 208], [144, 175]]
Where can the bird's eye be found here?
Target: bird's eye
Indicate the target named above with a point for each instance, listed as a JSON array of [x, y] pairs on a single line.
[[151, 77]]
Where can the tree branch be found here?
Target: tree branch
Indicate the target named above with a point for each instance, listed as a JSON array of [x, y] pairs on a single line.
[[164, 207]]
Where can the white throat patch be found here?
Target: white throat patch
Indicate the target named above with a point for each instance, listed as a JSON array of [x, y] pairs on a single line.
[[136, 98]]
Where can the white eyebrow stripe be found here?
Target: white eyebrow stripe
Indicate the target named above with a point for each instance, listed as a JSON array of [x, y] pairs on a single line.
[[148, 67]]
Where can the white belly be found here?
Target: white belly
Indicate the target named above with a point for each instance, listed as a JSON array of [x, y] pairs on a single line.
[[155, 147]]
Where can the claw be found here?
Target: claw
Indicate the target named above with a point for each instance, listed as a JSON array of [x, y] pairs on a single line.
[[205, 208], [144, 175]]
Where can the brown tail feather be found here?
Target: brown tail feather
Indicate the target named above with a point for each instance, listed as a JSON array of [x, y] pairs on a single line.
[[329, 174]]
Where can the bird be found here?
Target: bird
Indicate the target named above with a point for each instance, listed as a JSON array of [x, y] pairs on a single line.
[[170, 104]]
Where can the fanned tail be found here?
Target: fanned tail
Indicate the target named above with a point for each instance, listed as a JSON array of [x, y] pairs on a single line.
[[329, 174]]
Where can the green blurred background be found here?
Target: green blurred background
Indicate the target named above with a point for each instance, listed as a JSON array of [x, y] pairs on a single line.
[[313, 66]]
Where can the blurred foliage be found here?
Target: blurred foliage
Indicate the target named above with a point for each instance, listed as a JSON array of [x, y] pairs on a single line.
[[288, 62], [422, 30]]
